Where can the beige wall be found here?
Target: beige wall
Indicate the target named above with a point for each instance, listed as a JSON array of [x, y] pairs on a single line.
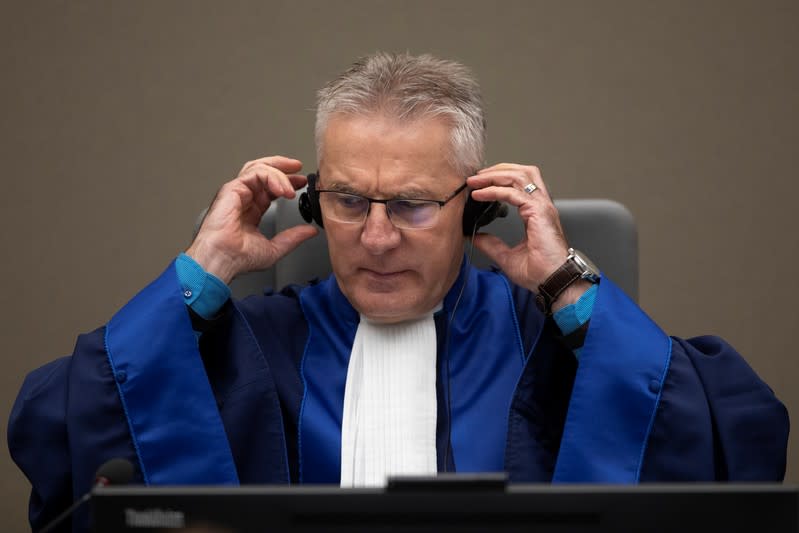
[[120, 119]]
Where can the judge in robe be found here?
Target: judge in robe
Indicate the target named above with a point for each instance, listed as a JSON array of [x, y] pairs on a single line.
[[407, 359]]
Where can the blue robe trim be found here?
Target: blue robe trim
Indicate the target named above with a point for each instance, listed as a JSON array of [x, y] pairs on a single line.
[[715, 419], [623, 364], [170, 407], [332, 323], [482, 381], [489, 375]]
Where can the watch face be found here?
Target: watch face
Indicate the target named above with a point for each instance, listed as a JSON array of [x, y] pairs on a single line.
[[590, 270]]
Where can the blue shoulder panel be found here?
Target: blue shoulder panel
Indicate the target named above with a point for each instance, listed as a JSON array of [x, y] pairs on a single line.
[[332, 323], [173, 417], [622, 367], [486, 356]]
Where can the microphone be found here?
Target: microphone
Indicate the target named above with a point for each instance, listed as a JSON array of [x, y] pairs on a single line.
[[113, 472]]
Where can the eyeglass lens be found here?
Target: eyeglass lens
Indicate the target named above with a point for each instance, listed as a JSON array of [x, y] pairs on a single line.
[[350, 208]]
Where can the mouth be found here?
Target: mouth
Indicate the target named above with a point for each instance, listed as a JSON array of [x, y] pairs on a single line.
[[383, 275]]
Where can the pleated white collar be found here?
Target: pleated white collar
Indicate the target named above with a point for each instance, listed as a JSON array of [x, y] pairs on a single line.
[[390, 403]]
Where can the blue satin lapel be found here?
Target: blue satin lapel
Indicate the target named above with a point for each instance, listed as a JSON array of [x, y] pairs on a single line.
[[622, 367], [332, 323], [486, 358], [173, 417]]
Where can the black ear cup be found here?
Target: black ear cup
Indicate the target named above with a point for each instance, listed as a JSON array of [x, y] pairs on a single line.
[[305, 208], [309, 203], [478, 214], [475, 214]]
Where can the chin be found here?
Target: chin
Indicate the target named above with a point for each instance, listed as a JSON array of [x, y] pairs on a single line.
[[388, 308]]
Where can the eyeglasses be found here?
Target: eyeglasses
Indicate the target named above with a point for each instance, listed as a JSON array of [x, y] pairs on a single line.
[[404, 213]]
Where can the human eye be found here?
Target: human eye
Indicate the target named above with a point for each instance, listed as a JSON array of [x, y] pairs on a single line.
[[349, 201], [413, 213], [410, 205]]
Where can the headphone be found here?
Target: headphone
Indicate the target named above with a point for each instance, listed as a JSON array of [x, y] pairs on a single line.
[[475, 214]]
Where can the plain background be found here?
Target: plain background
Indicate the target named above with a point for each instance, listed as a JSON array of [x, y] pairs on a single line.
[[121, 119]]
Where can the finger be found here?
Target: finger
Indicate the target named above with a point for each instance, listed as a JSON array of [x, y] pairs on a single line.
[[538, 180], [263, 200], [516, 180], [502, 179], [284, 164], [510, 195], [254, 182], [287, 240], [494, 248], [522, 174], [501, 166], [298, 181], [261, 187], [516, 183], [262, 176]]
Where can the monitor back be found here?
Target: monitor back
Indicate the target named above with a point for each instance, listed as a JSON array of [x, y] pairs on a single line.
[[542, 508]]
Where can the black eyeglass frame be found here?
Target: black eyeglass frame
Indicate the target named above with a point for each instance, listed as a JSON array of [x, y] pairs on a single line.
[[385, 201]]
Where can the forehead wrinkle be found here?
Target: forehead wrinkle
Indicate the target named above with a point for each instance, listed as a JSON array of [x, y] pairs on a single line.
[[383, 157], [410, 191]]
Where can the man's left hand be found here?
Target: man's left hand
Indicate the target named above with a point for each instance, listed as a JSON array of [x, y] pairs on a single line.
[[543, 249]]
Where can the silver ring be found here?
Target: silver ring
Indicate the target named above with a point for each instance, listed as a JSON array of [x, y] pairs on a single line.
[[530, 188]]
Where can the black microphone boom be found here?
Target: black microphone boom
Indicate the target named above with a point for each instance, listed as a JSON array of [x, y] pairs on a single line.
[[113, 472]]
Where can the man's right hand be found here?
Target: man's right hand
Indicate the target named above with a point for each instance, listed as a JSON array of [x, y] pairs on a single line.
[[229, 242]]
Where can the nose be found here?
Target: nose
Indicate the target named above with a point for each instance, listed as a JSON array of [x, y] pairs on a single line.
[[379, 235]]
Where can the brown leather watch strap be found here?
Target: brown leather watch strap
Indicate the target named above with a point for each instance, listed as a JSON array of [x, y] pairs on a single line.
[[555, 284]]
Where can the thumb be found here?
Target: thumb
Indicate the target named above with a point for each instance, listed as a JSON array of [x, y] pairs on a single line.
[[287, 240], [493, 247]]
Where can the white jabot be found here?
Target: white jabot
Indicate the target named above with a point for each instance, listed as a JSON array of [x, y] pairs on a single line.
[[390, 403]]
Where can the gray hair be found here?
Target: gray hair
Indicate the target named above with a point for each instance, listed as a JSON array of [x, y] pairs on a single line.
[[410, 87]]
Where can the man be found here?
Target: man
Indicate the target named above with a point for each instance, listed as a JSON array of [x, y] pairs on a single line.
[[407, 360]]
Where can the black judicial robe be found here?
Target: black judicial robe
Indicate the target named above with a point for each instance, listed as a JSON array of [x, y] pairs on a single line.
[[260, 399]]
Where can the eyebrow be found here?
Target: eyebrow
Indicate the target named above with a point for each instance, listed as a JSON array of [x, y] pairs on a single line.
[[412, 193], [341, 187]]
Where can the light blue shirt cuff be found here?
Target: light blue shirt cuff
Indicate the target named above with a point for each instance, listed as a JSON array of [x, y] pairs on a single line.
[[575, 315], [203, 292]]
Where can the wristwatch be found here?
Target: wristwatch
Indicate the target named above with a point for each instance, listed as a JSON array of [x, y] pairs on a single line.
[[577, 266]]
